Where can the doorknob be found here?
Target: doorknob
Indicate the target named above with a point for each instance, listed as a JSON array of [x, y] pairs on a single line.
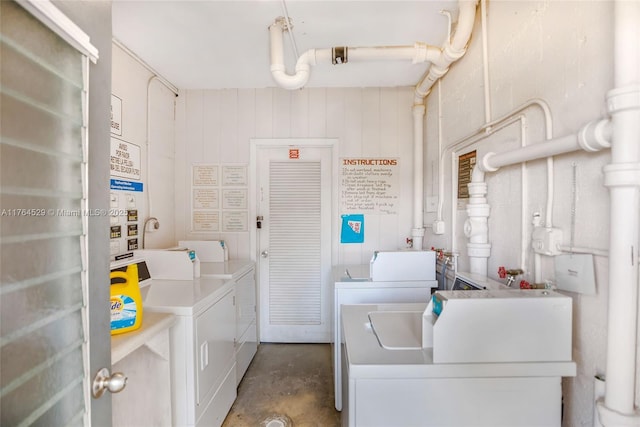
[[105, 381], [264, 254]]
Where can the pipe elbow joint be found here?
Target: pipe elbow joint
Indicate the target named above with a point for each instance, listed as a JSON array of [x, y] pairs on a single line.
[[595, 136], [451, 54], [291, 82], [485, 163]]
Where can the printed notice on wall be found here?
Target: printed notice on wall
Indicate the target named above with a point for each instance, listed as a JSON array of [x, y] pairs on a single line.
[[206, 221], [234, 176], [219, 198], [125, 159], [369, 185], [234, 198], [234, 221], [466, 163], [205, 198], [205, 175]]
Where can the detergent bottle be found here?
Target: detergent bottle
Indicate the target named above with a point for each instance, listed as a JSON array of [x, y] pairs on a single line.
[[126, 301]]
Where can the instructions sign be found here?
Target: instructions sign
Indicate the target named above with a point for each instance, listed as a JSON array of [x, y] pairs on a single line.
[[125, 159], [466, 163], [369, 185]]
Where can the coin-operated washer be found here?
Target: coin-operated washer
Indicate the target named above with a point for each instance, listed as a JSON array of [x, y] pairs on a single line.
[[482, 358]]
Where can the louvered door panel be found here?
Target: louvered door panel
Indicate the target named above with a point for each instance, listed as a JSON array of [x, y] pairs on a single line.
[[294, 243], [42, 304]]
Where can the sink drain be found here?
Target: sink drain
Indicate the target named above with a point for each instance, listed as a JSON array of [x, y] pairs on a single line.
[[277, 421]]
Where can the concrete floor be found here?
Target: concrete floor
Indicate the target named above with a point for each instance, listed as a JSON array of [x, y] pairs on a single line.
[[291, 383]]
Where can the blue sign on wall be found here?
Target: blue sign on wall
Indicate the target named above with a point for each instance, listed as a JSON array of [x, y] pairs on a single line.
[[352, 229], [121, 184]]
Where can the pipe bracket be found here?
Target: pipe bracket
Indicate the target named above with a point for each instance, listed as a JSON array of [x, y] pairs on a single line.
[[339, 55], [479, 250], [622, 175], [624, 98]]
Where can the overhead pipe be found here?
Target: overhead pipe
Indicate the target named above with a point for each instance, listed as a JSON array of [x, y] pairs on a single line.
[[439, 58], [418, 53]]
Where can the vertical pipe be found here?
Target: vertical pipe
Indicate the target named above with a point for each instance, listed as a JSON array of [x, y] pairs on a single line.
[[622, 178], [524, 196], [485, 60], [417, 233]]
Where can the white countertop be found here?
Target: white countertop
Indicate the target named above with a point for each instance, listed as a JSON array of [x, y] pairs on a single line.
[[231, 269], [185, 297], [367, 359], [126, 343]]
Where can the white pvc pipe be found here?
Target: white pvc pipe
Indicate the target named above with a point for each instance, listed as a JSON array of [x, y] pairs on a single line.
[[417, 231], [584, 140], [278, 70], [622, 177], [566, 144], [440, 60], [417, 53], [524, 196], [485, 61], [451, 51], [488, 130]]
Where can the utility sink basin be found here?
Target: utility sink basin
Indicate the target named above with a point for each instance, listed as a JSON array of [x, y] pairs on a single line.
[[397, 330]]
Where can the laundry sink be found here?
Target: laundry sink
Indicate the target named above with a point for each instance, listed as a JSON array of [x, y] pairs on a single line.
[[397, 330], [355, 274]]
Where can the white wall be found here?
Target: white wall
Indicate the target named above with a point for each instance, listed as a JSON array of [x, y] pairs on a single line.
[[130, 82], [215, 126], [559, 51]]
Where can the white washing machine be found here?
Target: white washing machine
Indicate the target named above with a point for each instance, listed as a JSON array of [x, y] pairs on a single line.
[[481, 358], [391, 276]]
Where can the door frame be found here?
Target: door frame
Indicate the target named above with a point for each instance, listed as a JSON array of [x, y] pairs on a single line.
[[255, 144]]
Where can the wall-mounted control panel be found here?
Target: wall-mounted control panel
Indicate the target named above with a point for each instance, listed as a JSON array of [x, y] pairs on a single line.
[[125, 226]]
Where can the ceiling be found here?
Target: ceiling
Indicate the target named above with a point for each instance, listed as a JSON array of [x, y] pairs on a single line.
[[225, 44]]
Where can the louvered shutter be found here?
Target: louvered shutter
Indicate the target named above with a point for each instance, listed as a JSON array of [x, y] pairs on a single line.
[[294, 246]]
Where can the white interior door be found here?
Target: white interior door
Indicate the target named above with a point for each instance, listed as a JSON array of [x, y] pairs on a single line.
[[294, 242]]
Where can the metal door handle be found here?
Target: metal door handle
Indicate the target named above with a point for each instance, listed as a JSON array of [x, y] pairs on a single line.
[[264, 254], [105, 381]]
